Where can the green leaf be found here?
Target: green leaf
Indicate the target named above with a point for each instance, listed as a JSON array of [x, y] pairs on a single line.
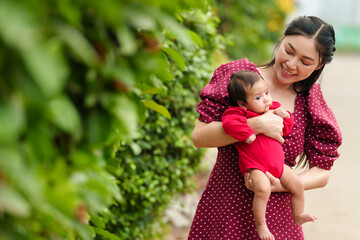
[[150, 91], [135, 148], [20, 174], [85, 232], [65, 116], [121, 74], [208, 5], [71, 12], [99, 127], [78, 43], [176, 29], [174, 55], [46, 64], [163, 70], [158, 108], [12, 117], [18, 27], [195, 37], [12, 202], [106, 234], [127, 40], [139, 19], [98, 221], [124, 110]]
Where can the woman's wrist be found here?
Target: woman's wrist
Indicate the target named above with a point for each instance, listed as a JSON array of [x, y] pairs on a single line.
[[256, 124], [210, 135]]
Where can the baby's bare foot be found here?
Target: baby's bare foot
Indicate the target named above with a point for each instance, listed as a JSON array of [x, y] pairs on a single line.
[[264, 232], [302, 218]]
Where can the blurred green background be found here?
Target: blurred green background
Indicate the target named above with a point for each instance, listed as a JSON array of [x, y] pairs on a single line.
[[343, 15], [98, 103]]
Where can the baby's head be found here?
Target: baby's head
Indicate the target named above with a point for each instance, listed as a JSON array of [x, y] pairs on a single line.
[[248, 89]]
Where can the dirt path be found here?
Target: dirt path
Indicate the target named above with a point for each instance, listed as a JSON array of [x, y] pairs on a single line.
[[337, 203]]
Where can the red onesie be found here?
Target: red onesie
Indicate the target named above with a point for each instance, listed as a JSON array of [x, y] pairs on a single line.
[[265, 154]]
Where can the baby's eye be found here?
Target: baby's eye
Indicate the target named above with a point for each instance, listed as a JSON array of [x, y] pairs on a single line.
[[267, 92], [258, 98]]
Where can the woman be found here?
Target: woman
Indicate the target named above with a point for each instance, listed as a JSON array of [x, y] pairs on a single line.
[[225, 208]]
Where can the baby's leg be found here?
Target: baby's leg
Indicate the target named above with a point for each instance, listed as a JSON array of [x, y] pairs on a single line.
[[292, 182], [262, 190]]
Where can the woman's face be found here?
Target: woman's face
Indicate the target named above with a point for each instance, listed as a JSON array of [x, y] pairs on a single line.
[[296, 59]]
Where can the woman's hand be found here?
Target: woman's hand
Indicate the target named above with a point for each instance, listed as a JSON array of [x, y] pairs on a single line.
[[248, 181], [276, 185], [269, 124]]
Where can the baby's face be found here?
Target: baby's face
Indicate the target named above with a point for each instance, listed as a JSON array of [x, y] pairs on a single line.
[[258, 98]]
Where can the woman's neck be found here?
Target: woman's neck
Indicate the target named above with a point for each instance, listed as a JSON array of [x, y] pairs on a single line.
[[282, 93], [271, 80]]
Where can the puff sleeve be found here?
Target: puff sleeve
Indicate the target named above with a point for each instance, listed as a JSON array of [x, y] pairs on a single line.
[[214, 96], [322, 135]]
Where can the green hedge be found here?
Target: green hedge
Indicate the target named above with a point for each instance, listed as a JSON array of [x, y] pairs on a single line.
[[97, 105], [159, 163], [253, 27]]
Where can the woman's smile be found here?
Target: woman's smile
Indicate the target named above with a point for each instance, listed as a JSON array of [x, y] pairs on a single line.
[[286, 72]]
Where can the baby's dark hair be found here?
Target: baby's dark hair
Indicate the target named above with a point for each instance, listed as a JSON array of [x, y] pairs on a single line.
[[240, 82]]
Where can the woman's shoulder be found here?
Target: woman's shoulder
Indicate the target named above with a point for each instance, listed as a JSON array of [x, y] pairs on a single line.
[[237, 65], [317, 106], [315, 89], [222, 74], [315, 95]]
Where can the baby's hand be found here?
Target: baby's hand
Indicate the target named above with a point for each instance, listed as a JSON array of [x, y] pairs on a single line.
[[281, 113], [251, 139]]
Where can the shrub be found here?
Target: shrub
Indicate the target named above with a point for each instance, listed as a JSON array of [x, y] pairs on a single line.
[[158, 164], [86, 95], [252, 28]]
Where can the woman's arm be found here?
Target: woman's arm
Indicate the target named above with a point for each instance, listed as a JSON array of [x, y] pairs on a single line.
[[312, 178], [210, 135], [213, 135], [315, 177]]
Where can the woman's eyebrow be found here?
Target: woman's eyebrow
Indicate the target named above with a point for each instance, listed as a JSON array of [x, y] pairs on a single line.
[[292, 47]]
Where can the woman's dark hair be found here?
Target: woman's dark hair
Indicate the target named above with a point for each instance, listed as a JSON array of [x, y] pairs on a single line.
[[324, 36], [241, 81]]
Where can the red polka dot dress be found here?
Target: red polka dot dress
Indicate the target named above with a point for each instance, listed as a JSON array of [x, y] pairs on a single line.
[[225, 208]]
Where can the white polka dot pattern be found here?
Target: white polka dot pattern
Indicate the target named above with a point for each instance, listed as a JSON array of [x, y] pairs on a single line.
[[225, 209]]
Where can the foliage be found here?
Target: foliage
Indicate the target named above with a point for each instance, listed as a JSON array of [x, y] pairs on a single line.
[[252, 28], [159, 162], [97, 104]]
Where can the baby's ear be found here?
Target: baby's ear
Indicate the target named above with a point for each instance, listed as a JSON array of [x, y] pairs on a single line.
[[241, 104]]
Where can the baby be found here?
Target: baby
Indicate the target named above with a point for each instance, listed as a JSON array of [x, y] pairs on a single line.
[[249, 97]]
